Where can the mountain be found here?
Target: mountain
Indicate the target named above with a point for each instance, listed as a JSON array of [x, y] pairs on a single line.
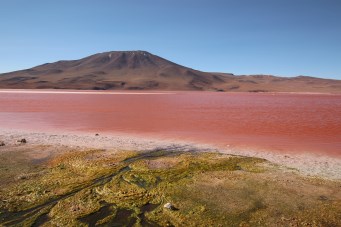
[[140, 70]]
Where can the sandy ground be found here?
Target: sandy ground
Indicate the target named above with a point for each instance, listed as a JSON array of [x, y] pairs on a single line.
[[306, 164]]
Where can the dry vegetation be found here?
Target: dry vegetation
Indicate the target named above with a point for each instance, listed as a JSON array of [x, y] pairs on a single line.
[[97, 187]]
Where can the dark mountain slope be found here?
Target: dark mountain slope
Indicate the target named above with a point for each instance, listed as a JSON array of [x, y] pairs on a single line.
[[140, 70]]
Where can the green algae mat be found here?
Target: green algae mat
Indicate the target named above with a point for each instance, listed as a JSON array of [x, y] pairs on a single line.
[[128, 188]]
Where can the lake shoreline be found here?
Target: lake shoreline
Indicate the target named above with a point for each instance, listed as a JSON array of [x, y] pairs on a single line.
[[150, 92], [312, 165]]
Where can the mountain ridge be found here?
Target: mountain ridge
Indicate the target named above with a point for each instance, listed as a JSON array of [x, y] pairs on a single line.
[[141, 70]]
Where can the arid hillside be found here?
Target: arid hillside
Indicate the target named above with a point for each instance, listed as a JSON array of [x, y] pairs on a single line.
[[140, 70]]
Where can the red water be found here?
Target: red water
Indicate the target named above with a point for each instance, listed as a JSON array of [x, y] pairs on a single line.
[[276, 122]]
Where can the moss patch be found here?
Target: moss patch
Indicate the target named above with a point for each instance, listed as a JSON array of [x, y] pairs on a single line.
[[96, 187]]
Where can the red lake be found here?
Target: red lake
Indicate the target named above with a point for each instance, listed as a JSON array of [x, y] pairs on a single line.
[[279, 122]]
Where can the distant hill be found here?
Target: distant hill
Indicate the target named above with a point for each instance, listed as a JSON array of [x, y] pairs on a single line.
[[140, 70]]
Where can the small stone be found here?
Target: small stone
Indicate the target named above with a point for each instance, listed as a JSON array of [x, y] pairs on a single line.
[[169, 206], [96, 134], [22, 177], [22, 141], [323, 198], [2, 143]]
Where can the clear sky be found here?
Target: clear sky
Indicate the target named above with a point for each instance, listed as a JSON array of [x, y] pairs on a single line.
[[280, 37]]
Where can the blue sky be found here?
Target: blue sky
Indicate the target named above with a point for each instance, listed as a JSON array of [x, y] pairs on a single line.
[[280, 37]]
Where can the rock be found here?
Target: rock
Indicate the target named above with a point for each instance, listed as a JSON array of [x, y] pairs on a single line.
[[323, 198], [22, 177], [96, 134], [169, 206], [22, 141], [2, 143]]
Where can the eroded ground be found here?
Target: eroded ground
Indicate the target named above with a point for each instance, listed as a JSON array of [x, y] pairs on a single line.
[[104, 188]]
